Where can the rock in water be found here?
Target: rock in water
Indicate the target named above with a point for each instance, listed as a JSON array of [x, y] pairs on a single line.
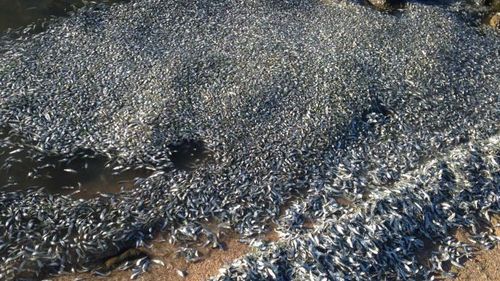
[[386, 5]]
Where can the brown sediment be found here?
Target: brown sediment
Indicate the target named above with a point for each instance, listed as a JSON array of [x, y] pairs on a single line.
[[309, 224], [343, 201], [213, 260], [271, 236], [483, 267], [462, 235], [202, 270], [161, 250]]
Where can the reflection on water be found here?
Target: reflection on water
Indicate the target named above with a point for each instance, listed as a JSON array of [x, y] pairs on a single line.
[[83, 175], [21, 13], [188, 154]]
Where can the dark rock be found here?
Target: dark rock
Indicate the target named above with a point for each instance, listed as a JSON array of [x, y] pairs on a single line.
[[386, 5]]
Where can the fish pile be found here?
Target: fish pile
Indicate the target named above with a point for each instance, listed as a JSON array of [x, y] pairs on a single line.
[[301, 104], [384, 237]]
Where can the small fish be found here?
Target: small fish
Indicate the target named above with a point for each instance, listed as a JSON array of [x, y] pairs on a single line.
[[181, 273], [72, 171], [156, 261]]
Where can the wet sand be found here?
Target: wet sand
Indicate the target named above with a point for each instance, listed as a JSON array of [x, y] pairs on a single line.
[[165, 252], [214, 259], [483, 267]]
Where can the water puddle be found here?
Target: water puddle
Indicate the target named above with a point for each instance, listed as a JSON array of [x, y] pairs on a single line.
[[83, 175], [16, 14], [188, 154]]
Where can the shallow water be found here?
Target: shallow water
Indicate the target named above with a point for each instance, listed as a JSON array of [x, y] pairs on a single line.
[[188, 154], [21, 13], [83, 175]]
